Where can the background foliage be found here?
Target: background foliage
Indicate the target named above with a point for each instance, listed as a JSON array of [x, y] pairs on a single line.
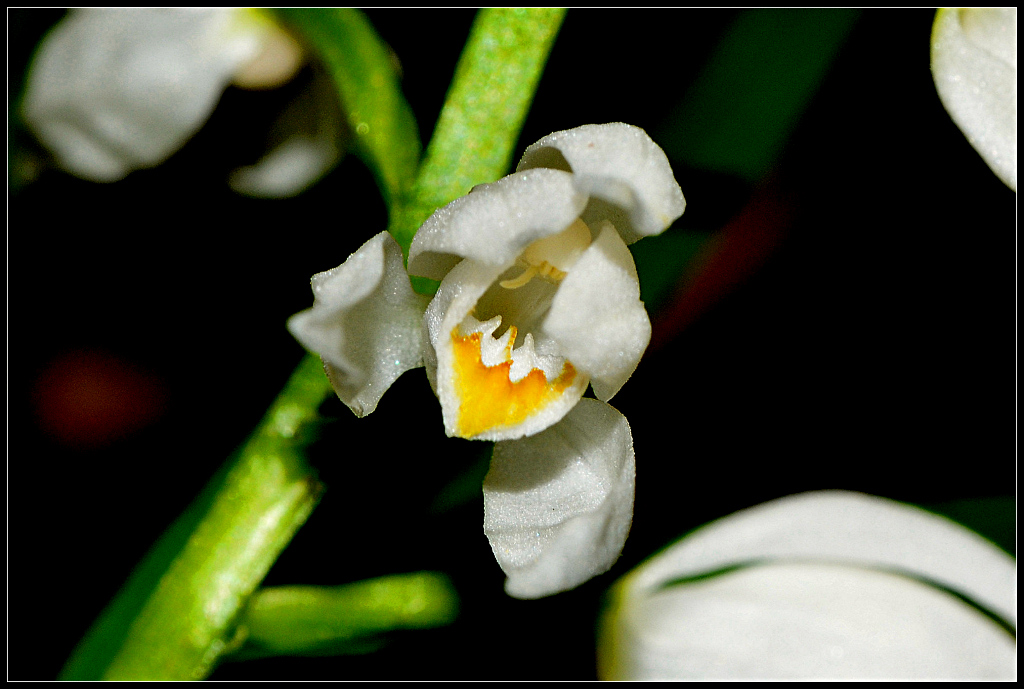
[[841, 331]]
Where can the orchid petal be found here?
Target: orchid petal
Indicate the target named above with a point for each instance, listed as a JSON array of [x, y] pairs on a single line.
[[627, 175], [558, 505], [494, 223], [112, 90], [481, 396], [597, 317], [851, 528], [455, 298], [288, 169], [366, 323], [802, 621], [974, 63], [278, 61]]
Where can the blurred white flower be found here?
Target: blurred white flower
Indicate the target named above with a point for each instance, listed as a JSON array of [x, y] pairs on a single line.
[[974, 63], [538, 298], [825, 585], [289, 168], [115, 90]]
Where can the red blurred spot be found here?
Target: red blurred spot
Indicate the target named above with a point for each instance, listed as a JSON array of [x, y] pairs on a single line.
[[740, 249], [88, 399]]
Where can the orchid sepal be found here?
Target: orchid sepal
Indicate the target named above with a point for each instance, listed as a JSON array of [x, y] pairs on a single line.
[[626, 176], [365, 323], [558, 505]]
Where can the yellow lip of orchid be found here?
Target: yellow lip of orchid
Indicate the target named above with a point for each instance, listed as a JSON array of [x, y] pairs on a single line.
[[538, 299], [497, 375], [501, 383], [489, 397]]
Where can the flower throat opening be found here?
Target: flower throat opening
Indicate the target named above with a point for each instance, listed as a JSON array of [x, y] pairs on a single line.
[[552, 257]]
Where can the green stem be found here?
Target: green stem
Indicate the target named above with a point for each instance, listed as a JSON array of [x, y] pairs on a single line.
[[334, 620], [176, 614], [483, 112], [379, 118]]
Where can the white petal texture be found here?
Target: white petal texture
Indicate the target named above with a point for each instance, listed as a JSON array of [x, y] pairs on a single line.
[[974, 63], [807, 621], [597, 317], [113, 90], [625, 174], [558, 505], [366, 323], [836, 585], [494, 223], [541, 254]]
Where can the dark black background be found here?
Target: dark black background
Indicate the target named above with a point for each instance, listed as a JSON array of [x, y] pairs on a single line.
[[873, 351]]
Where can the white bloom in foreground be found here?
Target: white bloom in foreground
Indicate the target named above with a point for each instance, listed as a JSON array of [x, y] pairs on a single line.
[[538, 298], [829, 585], [974, 63], [115, 90]]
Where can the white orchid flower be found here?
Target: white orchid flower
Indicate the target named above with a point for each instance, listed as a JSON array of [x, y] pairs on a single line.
[[538, 298], [974, 63], [824, 585], [115, 90]]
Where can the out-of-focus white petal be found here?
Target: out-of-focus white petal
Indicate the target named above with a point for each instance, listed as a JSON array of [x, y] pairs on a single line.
[[558, 505], [279, 59], [305, 142], [802, 621], [852, 528], [487, 390], [974, 63], [597, 318], [366, 323], [288, 169], [844, 605], [626, 174], [494, 223], [113, 90]]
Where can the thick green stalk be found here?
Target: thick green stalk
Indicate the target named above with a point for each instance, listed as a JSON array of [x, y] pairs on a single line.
[[176, 614], [334, 620], [483, 112], [381, 121]]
